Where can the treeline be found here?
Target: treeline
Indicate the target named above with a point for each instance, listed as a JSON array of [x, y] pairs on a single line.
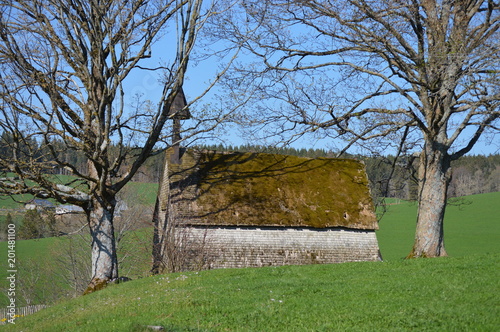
[[28, 152], [388, 177], [309, 153]]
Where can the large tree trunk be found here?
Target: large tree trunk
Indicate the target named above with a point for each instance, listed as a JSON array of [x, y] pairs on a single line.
[[434, 179], [104, 258]]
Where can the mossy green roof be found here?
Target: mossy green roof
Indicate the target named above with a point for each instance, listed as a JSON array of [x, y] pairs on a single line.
[[259, 189]]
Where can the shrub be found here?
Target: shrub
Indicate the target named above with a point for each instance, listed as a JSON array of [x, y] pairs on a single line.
[[36, 226]]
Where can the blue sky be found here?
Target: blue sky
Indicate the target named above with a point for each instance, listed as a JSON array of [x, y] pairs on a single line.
[[200, 75], [147, 83]]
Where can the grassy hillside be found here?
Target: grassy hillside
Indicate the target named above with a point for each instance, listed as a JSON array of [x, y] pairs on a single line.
[[450, 294], [396, 294], [44, 265], [471, 226]]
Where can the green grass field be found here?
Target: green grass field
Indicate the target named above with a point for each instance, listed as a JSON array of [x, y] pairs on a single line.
[[471, 226], [44, 257], [451, 294], [459, 293]]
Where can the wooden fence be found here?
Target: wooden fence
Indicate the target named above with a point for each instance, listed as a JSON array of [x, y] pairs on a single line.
[[20, 311]]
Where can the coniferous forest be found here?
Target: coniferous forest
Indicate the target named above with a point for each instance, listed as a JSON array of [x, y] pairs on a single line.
[[472, 174]]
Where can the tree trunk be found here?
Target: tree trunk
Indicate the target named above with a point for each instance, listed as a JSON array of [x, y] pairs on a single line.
[[104, 258], [434, 178]]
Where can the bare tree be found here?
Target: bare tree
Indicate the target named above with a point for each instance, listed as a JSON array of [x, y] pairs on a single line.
[[64, 65], [71, 263], [383, 74]]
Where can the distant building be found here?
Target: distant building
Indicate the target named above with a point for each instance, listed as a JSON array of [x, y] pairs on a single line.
[[39, 204], [73, 209], [120, 207], [68, 209]]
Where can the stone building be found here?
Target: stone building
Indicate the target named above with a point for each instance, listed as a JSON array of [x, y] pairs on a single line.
[[257, 209]]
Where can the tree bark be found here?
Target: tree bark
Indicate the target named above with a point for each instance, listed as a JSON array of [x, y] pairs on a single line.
[[435, 175], [104, 258]]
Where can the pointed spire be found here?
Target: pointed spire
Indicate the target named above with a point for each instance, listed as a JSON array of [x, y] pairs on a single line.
[[178, 109]]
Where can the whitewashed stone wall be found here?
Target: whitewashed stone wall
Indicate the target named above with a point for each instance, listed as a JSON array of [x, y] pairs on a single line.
[[231, 247]]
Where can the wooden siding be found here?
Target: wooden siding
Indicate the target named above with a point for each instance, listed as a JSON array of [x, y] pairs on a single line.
[[235, 247]]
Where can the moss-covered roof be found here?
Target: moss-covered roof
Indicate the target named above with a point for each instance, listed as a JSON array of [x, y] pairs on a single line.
[[259, 189]]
